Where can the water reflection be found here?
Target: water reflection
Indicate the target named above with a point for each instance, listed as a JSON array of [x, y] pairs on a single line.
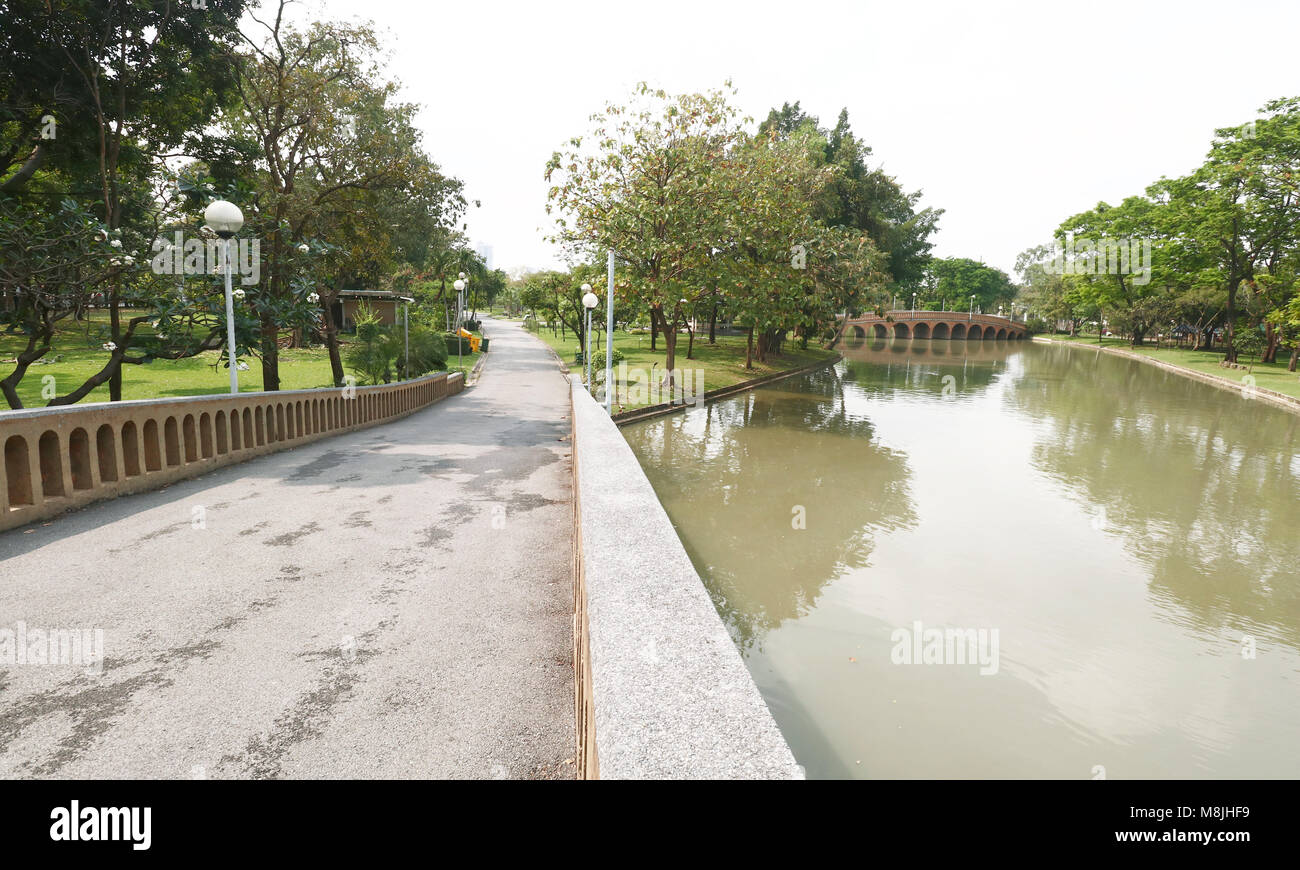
[[730, 460], [1198, 485], [1122, 527]]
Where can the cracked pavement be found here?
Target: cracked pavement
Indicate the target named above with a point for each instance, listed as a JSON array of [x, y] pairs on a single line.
[[393, 602]]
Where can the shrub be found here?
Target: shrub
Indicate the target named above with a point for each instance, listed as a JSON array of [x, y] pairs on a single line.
[[375, 349], [428, 352]]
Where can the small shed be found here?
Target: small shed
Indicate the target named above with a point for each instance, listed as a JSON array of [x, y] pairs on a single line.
[[385, 303]]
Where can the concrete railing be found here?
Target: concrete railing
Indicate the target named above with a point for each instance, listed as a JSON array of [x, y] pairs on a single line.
[[60, 458], [967, 316], [662, 690]]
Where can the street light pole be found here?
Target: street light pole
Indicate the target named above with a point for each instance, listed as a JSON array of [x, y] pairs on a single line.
[[460, 342], [590, 301], [609, 336], [971, 315], [406, 334], [230, 324], [225, 219]]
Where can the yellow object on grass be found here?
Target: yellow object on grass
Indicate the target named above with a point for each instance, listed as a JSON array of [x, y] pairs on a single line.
[[473, 339]]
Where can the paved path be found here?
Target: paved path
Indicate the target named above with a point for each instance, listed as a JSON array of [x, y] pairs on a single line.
[[394, 602]]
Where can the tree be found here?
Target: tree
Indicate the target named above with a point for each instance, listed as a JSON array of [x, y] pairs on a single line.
[[1240, 211], [1287, 321], [956, 279], [704, 215], [1109, 268], [649, 189], [329, 132], [779, 268], [124, 85], [1044, 291], [863, 198], [49, 267]]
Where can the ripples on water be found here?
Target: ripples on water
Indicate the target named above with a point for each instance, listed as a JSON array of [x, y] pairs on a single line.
[[1123, 528]]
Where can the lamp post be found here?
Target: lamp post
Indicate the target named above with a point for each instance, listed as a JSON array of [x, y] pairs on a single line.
[[225, 219], [589, 301], [971, 315], [609, 336], [460, 349], [406, 332], [460, 299], [914, 306]]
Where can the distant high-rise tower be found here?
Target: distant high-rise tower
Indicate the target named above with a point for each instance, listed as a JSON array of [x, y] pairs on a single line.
[[485, 254]]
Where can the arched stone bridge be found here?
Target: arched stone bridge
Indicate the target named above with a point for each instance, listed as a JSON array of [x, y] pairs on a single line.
[[935, 324]]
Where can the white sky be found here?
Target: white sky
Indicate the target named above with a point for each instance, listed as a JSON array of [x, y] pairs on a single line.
[[1010, 115]]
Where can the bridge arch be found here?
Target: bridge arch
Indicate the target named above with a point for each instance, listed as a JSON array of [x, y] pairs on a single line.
[[974, 333], [958, 331], [881, 331], [921, 330], [940, 331], [1002, 334], [900, 331]]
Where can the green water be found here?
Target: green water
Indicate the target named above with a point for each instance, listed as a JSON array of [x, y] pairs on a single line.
[[1132, 536]]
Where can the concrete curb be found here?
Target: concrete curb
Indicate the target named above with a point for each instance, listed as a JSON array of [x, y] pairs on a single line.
[[478, 366], [1272, 397], [669, 696]]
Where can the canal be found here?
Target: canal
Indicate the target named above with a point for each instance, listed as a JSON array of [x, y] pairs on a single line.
[[1123, 542]]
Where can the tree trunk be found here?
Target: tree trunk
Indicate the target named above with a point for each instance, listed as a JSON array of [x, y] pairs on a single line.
[[270, 356], [1229, 321], [332, 339], [769, 342], [115, 330], [670, 346], [1271, 338], [713, 324], [1295, 358], [9, 386], [26, 171], [654, 330], [749, 349]]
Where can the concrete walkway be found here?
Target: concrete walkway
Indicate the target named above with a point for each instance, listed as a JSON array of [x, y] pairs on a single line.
[[395, 602]]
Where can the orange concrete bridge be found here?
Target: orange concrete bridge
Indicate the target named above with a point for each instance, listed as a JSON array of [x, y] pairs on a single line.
[[948, 325]]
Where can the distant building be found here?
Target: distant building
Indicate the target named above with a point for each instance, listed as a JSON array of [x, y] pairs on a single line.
[[485, 254]]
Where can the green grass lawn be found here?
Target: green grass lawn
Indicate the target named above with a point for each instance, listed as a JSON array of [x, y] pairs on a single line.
[[723, 364], [470, 359], [1271, 376], [77, 354]]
